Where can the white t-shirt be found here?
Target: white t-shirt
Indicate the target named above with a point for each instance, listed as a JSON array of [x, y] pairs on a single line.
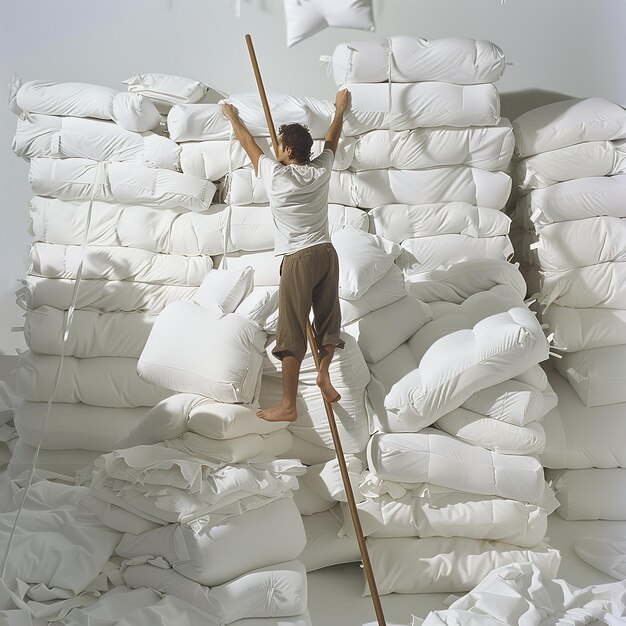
[[298, 196]]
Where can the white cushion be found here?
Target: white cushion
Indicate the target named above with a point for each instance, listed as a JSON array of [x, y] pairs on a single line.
[[182, 337], [259, 304], [415, 59], [566, 123], [306, 18], [223, 290], [363, 260], [166, 90]]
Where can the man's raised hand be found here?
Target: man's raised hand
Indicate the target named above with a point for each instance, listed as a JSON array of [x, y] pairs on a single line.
[[342, 100], [230, 111]]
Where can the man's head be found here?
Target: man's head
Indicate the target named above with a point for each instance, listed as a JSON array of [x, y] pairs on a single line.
[[294, 144]]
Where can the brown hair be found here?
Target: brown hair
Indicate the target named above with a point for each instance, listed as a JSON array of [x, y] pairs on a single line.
[[298, 138]]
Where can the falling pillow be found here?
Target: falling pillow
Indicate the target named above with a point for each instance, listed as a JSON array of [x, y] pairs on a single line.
[[307, 17]]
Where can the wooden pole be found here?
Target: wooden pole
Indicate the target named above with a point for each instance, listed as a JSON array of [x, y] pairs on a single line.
[[354, 512]]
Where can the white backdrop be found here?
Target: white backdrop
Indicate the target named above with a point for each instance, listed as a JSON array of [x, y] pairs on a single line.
[[556, 48]]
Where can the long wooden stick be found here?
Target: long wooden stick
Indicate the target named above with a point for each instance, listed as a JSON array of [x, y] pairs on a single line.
[[354, 513]]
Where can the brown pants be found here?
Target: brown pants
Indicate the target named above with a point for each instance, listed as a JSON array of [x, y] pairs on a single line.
[[308, 278]]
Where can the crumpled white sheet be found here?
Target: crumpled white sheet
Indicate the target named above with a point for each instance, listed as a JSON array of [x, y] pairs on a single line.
[[518, 595], [59, 550]]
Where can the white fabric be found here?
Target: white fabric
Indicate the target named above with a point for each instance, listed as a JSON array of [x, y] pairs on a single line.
[[236, 450], [230, 549], [307, 452], [278, 590], [165, 90], [214, 159], [587, 287], [579, 437], [298, 198], [590, 494], [385, 291], [513, 402], [372, 188], [91, 334], [171, 231], [597, 375], [487, 147], [182, 336], [436, 564], [403, 221], [523, 589], [223, 290], [415, 59], [423, 254], [492, 434], [566, 123], [589, 242], [604, 551], [126, 183], [82, 381], [131, 111], [306, 18], [106, 296], [117, 263], [326, 545], [75, 137], [75, 426], [71, 545], [363, 260], [266, 266], [430, 511], [379, 333], [592, 158], [312, 423], [581, 329], [460, 280], [576, 200], [426, 380], [435, 457], [430, 103], [259, 305], [117, 518], [184, 412], [63, 462]]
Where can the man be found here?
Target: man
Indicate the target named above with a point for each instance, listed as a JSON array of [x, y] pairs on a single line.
[[297, 188]]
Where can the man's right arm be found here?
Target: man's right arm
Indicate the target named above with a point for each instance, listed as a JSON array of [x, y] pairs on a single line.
[[342, 100], [242, 134]]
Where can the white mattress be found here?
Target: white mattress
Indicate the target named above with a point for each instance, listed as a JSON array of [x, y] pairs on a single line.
[[372, 188], [107, 296], [402, 221], [230, 550], [117, 263], [435, 457], [413, 59], [579, 243], [590, 494], [75, 137], [437, 564], [127, 183], [82, 381], [91, 334], [580, 329], [430, 511], [579, 437], [591, 158], [75, 426]]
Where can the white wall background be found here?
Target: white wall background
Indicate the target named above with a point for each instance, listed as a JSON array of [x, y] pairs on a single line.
[[557, 49]]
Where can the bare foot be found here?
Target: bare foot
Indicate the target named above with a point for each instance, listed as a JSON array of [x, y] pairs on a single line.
[[328, 391], [278, 413]]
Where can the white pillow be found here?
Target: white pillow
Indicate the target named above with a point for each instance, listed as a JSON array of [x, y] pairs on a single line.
[[307, 17], [259, 305], [363, 260], [223, 290]]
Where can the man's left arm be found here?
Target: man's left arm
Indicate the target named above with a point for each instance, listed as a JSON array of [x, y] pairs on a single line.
[[243, 136]]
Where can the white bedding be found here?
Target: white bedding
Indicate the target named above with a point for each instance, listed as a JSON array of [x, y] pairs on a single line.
[[435, 457]]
